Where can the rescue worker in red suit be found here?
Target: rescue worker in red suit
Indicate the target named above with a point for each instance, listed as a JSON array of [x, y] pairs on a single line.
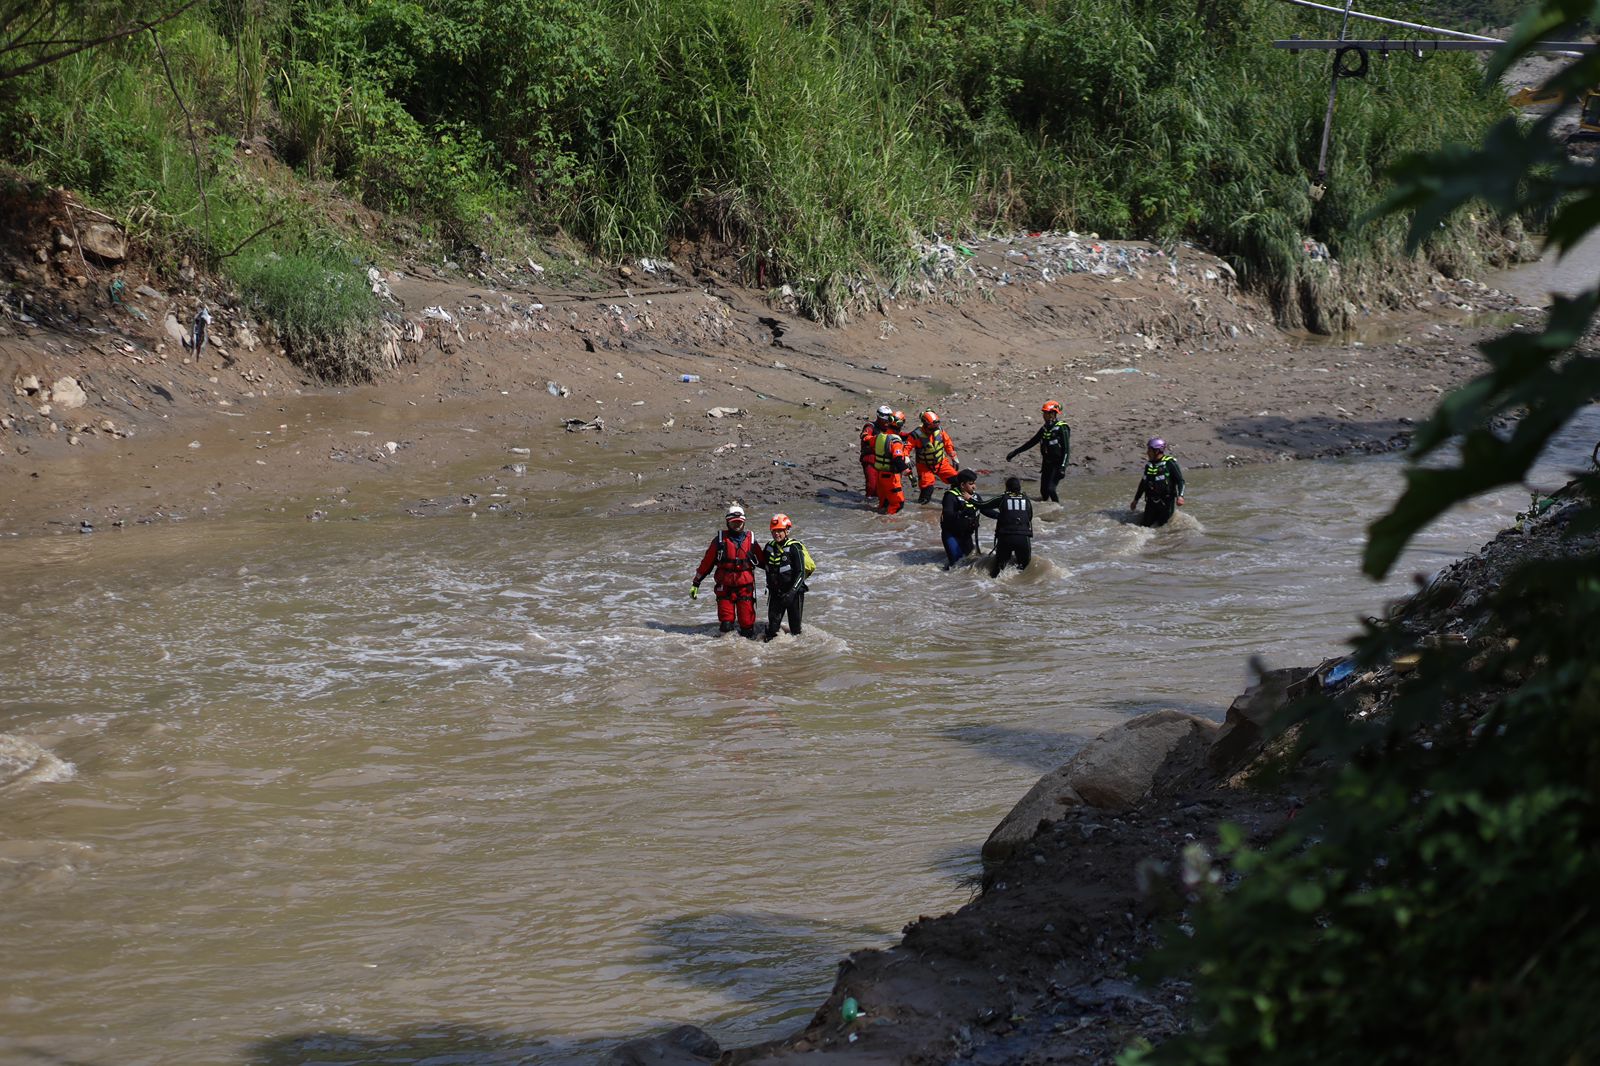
[[891, 456], [869, 434], [734, 555], [936, 455]]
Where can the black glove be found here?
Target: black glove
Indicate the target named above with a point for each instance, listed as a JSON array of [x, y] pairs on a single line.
[[1010, 456]]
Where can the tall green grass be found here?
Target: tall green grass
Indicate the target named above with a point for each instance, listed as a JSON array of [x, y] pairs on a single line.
[[323, 311], [815, 142]]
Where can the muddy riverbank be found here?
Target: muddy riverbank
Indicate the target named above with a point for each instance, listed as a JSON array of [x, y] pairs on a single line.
[[107, 419]]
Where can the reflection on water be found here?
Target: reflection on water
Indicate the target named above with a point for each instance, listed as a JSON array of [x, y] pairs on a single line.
[[493, 791]]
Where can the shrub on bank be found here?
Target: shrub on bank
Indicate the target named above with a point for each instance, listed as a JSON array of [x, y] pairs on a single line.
[[323, 309], [1434, 901], [815, 142]]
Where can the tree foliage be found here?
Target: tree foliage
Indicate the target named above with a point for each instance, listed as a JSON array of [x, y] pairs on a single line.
[[1436, 903], [817, 140]]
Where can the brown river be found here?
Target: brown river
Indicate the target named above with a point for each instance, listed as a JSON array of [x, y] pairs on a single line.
[[491, 790]]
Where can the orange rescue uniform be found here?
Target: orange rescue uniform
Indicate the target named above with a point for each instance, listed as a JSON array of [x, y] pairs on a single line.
[[891, 456], [936, 457], [869, 434]]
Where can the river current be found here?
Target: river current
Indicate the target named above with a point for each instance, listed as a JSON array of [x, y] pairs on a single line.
[[491, 790]]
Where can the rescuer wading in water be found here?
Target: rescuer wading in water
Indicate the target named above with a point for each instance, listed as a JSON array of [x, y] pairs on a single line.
[[1054, 439], [787, 564], [1161, 486], [734, 555]]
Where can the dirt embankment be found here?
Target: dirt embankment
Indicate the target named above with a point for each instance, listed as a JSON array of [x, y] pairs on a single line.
[[107, 417]]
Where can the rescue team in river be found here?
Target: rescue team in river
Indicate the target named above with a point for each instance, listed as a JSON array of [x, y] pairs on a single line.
[[887, 454]]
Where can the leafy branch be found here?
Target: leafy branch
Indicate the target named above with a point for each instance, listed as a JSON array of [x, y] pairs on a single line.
[[26, 29]]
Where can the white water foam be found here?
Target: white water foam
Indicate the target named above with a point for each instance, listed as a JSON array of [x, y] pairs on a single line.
[[23, 762]]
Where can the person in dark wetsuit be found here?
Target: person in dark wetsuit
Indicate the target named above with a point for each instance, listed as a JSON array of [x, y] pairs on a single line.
[[958, 524], [1013, 527], [1054, 440], [1161, 486], [785, 563]]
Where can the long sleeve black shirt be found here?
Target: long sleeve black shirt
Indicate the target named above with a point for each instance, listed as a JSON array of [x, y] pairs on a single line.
[[960, 514], [1162, 480], [1054, 441]]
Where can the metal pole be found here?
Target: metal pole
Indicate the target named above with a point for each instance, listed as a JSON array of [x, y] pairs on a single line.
[[1348, 14], [1333, 94]]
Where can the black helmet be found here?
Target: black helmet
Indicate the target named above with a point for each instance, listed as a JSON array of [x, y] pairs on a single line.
[[968, 474], [1013, 484]]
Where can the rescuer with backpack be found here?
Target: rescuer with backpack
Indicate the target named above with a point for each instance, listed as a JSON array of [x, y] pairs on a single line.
[[734, 555], [788, 564]]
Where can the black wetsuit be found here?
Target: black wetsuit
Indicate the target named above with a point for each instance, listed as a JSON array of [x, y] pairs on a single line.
[[958, 526], [1055, 448], [786, 585], [1161, 486], [1013, 530]]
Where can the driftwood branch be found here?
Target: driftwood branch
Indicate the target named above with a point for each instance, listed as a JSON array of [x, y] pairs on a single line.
[[72, 46], [73, 205]]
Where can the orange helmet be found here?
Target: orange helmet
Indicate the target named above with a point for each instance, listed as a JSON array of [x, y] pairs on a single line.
[[899, 418], [930, 419], [781, 521], [1051, 408]]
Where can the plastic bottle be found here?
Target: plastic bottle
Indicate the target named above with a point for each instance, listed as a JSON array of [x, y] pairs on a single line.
[[849, 1010], [690, 377]]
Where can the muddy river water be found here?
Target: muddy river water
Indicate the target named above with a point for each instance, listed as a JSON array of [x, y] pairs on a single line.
[[491, 790]]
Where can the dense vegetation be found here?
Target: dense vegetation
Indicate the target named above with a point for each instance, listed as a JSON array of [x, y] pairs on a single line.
[[1436, 904], [815, 140]]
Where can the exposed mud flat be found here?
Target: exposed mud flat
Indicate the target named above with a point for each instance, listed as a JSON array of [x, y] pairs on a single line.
[[107, 418]]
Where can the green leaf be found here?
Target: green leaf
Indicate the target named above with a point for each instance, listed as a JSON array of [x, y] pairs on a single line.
[[1306, 897]]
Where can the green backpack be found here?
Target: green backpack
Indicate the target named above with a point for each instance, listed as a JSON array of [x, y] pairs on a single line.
[[811, 564]]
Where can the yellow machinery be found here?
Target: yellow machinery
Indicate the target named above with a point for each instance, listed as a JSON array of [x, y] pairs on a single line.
[[1588, 107]]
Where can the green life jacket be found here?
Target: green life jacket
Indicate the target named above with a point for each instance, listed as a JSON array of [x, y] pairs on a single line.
[[778, 558], [886, 459], [1158, 478], [930, 448]]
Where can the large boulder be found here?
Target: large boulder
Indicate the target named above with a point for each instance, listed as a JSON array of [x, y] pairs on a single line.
[[1114, 771], [105, 242], [683, 1046], [1244, 730]]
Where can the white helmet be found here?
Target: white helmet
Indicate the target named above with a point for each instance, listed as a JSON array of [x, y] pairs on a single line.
[[735, 510]]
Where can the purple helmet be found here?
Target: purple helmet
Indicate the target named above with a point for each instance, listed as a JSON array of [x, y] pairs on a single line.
[[1156, 444]]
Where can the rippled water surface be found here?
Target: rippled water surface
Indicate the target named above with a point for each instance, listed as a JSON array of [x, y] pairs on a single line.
[[491, 790]]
